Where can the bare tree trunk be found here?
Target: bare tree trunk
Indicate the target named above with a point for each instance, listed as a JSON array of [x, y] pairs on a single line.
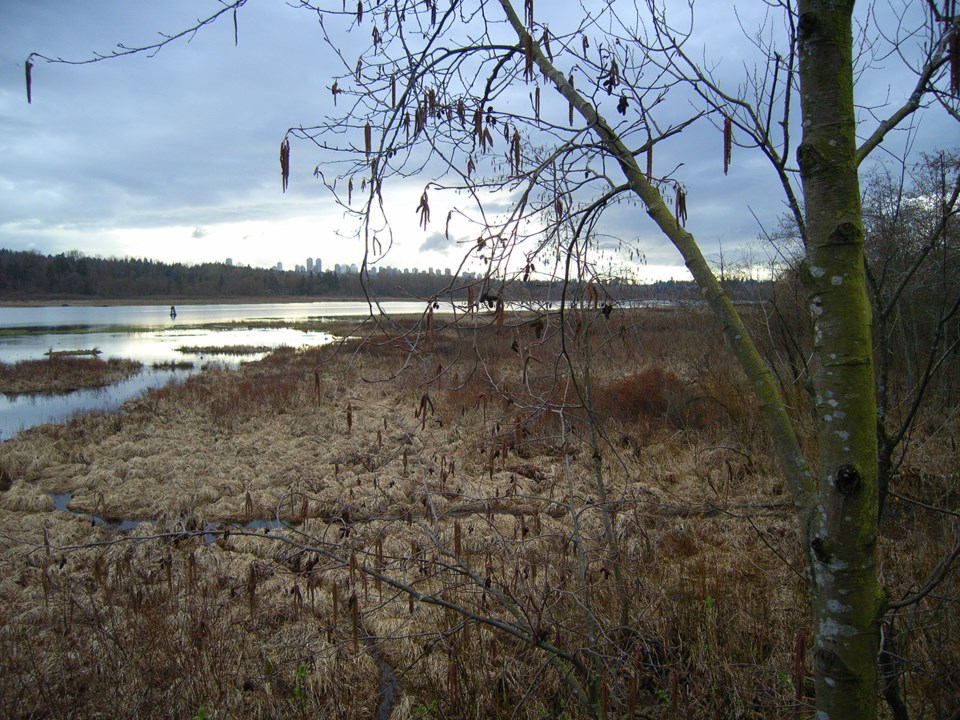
[[841, 534]]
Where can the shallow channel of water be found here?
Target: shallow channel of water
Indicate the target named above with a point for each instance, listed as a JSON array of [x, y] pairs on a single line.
[[211, 530], [148, 334]]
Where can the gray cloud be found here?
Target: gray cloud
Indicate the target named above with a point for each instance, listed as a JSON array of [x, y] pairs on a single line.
[[437, 242], [190, 138]]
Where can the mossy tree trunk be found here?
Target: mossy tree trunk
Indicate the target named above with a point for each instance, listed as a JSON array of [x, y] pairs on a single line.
[[841, 534], [838, 510]]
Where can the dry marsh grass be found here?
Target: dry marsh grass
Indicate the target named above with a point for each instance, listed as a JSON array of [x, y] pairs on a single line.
[[444, 531], [64, 372]]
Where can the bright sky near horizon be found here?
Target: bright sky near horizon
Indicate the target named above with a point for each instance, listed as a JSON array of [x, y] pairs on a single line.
[[175, 157]]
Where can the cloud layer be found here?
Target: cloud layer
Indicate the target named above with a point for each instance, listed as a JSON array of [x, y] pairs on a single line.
[[175, 157]]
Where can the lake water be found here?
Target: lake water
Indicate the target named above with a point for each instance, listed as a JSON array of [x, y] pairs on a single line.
[[150, 336]]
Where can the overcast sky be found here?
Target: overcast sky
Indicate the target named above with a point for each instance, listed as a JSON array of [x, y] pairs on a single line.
[[176, 157]]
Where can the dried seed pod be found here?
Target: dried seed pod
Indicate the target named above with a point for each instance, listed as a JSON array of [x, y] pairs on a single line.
[[350, 191], [285, 162], [424, 209], [604, 695], [335, 90], [527, 58], [799, 663], [680, 206], [367, 139], [452, 678], [252, 587], [727, 143], [955, 63], [28, 69], [420, 119], [570, 111], [486, 140], [528, 12], [516, 152], [650, 163], [545, 41], [536, 102], [393, 91], [359, 11]]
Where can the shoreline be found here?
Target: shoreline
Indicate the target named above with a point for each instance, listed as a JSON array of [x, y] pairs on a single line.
[[160, 301]]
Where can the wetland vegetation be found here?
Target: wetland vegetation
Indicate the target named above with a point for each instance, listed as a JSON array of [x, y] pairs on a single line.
[[450, 510], [63, 372]]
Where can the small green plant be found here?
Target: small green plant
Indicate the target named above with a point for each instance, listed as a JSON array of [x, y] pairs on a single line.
[[300, 687], [709, 602], [428, 710], [201, 714]]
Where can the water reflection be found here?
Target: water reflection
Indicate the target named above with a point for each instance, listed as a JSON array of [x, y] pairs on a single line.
[[213, 530], [158, 316], [149, 335], [18, 412]]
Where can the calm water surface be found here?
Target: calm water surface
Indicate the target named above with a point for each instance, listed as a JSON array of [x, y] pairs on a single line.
[[149, 335]]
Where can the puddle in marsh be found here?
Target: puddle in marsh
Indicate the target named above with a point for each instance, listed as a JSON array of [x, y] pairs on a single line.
[[211, 530]]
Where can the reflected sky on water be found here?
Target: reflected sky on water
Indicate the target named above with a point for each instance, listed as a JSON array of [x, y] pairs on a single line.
[[158, 316], [150, 336]]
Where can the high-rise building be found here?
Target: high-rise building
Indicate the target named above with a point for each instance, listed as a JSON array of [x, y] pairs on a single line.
[[309, 264]]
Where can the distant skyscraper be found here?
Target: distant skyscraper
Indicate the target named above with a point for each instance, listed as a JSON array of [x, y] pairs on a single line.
[[317, 266], [230, 262], [309, 264]]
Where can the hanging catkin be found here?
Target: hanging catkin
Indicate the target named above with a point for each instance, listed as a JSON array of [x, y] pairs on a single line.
[[727, 143], [285, 162]]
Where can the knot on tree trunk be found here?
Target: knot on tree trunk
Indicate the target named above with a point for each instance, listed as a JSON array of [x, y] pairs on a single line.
[[846, 234], [811, 160], [848, 479]]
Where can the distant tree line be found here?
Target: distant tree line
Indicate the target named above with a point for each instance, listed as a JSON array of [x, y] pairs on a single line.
[[28, 275]]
